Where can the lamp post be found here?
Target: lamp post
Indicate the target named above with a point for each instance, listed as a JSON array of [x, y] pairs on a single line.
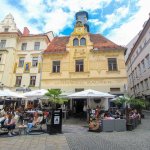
[[40, 69], [26, 89]]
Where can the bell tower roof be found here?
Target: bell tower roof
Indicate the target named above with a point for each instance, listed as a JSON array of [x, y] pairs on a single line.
[[82, 16]]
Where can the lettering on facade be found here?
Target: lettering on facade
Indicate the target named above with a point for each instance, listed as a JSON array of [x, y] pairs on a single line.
[[82, 82]]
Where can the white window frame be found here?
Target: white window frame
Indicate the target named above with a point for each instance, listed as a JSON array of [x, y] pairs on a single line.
[[37, 46], [34, 61]]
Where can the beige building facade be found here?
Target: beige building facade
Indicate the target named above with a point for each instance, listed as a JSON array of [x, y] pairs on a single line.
[[84, 61], [20, 55], [138, 64]]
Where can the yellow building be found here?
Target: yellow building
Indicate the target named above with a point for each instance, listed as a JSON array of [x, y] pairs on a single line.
[[84, 61], [20, 56]]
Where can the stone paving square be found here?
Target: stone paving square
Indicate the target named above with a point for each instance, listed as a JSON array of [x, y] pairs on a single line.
[[77, 137]]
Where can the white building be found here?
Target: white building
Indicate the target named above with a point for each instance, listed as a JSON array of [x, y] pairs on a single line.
[[20, 55], [138, 63]]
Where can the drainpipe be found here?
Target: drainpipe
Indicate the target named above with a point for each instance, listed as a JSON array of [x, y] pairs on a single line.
[[41, 71]]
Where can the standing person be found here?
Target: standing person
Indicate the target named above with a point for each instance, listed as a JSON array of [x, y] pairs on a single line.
[[85, 110], [97, 111]]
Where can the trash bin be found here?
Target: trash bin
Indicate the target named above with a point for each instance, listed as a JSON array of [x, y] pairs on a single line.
[[55, 125]]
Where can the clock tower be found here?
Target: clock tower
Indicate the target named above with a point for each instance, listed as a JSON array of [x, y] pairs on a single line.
[[82, 16]]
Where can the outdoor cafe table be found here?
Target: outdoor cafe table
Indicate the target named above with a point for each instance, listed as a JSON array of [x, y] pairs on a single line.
[[65, 112], [22, 128]]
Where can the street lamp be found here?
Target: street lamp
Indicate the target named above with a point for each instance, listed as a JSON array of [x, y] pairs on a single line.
[[26, 89]]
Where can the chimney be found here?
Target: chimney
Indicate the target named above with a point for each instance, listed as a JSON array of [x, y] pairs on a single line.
[[26, 31]]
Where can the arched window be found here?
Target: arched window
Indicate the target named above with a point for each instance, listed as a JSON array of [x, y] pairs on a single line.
[[82, 41], [75, 42]]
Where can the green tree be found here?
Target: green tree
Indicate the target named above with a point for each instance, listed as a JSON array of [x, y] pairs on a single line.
[[136, 103], [54, 96], [121, 100]]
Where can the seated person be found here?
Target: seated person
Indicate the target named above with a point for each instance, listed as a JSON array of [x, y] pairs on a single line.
[[2, 112], [117, 114], [107, 116], [37, 119], [9, 124], [2, 120]]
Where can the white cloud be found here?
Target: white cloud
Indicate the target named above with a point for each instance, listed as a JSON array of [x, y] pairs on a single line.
[[52, 17], [56, 21], [76, 5], [124, 34], [19, 16], [96, 22], [35, 8], [114, 18]]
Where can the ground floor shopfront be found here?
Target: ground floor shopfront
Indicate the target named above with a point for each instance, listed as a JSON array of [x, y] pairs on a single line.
[[76, 84]]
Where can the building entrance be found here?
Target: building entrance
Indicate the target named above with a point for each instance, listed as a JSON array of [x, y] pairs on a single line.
[[78, 105]]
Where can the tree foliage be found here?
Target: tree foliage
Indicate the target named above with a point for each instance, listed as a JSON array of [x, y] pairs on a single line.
[[133, 102], [54, 96]]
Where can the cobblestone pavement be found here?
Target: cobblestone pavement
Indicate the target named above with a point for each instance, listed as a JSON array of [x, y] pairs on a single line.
[[76, 137], [139, 139]]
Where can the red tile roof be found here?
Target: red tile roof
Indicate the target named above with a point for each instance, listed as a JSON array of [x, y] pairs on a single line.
[[58, 44], [102, 43]]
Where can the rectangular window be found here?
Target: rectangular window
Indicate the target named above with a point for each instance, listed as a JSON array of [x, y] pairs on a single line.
[[0, 58], [135, 73], [79, 65], [21, 62], [32, 80], [146, 84], [6, 29], [27, 67], [143, 65], [56, 66], [114, 89], [2, 43], [137, 87], [79, 90], [36, 45], [112, 64], [139, 68], [147, 61], [18, 80], [34, 61], [24, 46], [142, 86]]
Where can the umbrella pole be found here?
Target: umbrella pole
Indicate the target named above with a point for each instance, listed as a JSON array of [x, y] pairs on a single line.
[[71, 103], [4, 103]]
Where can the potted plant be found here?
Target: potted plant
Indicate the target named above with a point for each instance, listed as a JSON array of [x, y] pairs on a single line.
[[54, 96], [54, 123]]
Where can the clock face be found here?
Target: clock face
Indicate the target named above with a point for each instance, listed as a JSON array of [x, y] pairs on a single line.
[[79, 29]]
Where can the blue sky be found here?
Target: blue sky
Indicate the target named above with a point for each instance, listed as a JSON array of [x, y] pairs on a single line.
[[118, 20]]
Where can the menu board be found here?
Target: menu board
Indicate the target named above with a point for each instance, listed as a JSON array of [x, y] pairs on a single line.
[[94, 121]]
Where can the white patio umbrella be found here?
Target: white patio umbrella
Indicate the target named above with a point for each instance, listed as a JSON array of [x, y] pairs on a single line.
[[116, 98], [8, 93], [90, 93], [35, 94]]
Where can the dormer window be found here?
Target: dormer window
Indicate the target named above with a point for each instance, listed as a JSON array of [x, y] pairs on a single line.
[[82, 41], [75, 42], [6, 29]]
